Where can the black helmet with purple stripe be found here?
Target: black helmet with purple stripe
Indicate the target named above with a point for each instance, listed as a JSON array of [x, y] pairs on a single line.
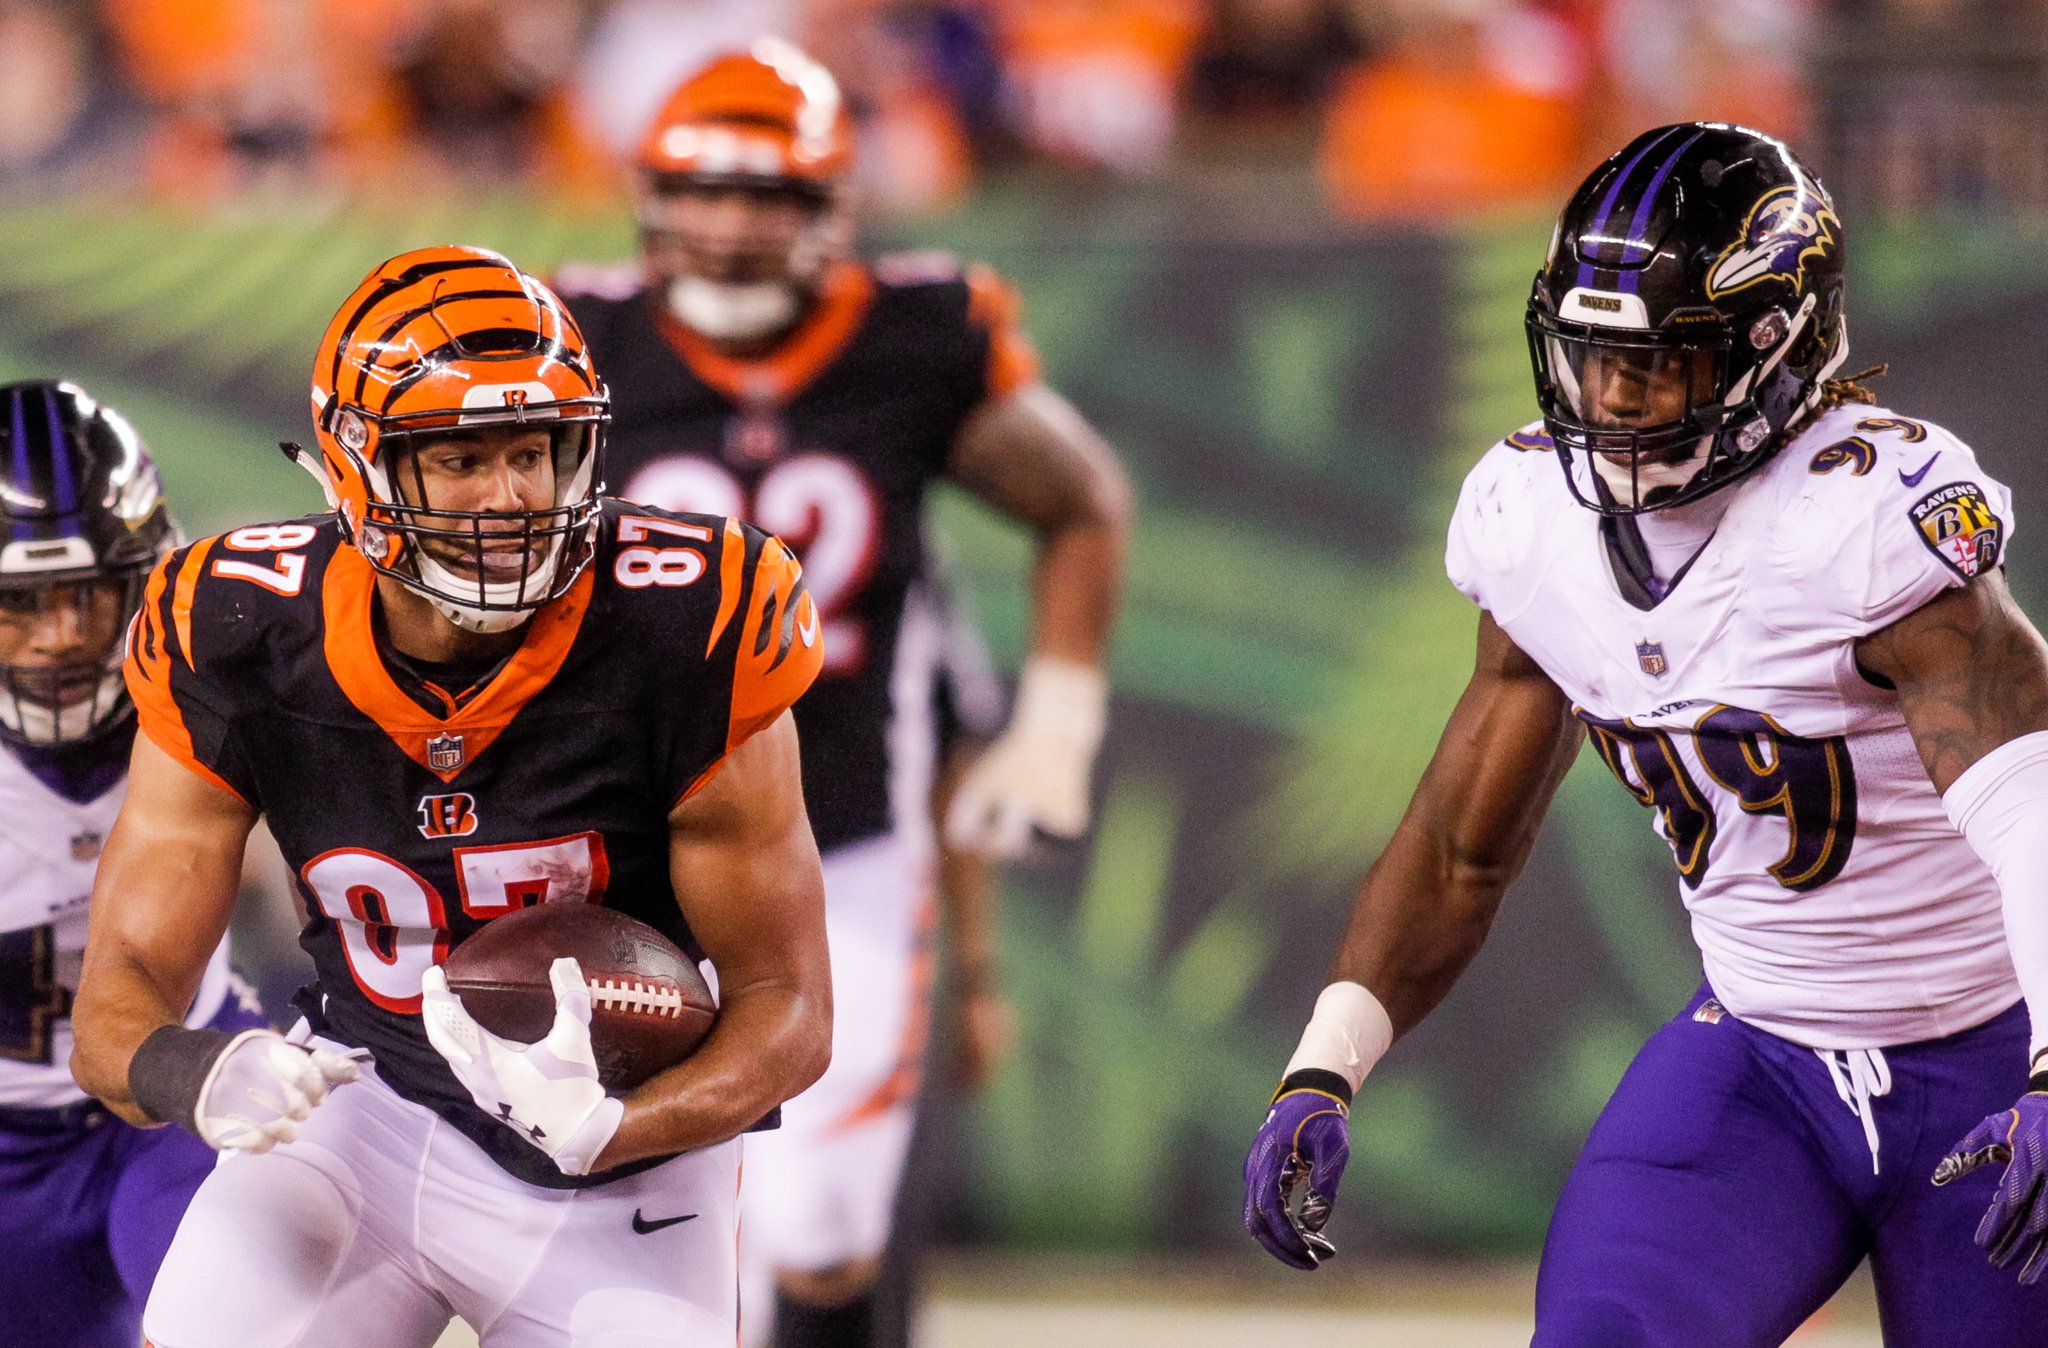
[[82, 521], [1687, 316]]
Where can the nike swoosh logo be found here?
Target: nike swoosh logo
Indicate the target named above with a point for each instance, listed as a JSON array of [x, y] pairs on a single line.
[[642, 1227], [1913, 479], [808, 629]]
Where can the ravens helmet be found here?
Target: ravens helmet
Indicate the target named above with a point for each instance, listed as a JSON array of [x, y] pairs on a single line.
[[84, 521], [1687, 316]]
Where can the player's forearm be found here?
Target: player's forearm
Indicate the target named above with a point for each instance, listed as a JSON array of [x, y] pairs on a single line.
[[1426, 905], [119, 1005], [1075, 584], [769, 1043], [1421, 915], [966, 912]]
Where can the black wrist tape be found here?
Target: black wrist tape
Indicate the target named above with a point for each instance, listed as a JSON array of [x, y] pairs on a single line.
[[2037, 1084], [1316, 1079], [168, 1069]]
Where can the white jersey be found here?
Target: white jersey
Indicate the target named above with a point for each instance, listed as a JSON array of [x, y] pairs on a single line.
[[1832, 901], [49, 847]]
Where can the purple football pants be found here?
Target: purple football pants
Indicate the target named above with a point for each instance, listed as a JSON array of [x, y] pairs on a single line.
[[88, 1206], [1728, 1190]]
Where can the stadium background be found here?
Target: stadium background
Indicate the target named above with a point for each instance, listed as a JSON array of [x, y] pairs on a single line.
[[1278, 251]]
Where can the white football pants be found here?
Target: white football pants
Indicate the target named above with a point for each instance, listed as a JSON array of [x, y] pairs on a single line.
[[382, 1222]]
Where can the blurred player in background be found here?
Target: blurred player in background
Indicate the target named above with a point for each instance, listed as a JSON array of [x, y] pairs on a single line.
[[1780, 614], [974, 1022], [967, 717], [87, 1203], [474, 686], [758, 369]]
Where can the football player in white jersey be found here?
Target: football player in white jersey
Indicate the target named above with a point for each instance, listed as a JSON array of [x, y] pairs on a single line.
[[87, 1203], [1778, 612]]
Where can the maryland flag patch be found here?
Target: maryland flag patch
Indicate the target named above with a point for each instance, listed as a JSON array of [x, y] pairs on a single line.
[[1957, 522]]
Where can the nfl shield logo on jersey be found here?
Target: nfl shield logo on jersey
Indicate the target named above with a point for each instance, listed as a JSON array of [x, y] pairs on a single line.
[[1650, 655], [444, 753]]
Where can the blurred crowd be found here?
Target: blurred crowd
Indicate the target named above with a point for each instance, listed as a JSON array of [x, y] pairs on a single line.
[[1408, 110]]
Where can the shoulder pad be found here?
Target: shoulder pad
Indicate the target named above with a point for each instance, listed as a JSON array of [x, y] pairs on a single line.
[[916, 267], [208, 616], [1498, 519], [599, 280], [227, 587], [1882, 513], [781, 645]]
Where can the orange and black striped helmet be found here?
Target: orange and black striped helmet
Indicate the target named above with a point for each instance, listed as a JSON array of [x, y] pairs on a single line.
[[450, 339], [771, 117]]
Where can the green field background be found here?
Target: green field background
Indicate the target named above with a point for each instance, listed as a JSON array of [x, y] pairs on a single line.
[[1297, 416]]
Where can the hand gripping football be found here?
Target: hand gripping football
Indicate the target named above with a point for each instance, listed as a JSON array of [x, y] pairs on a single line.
[[649, 1007]]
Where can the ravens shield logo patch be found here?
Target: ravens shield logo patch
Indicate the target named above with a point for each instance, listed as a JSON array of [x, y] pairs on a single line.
[[1958, 524]]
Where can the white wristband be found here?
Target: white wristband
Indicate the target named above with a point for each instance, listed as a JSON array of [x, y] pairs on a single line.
[[2000, 804], [1349, 1032], [1062, 701]]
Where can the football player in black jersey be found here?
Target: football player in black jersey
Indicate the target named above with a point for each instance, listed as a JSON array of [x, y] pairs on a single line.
[[472, 686], [759, 370]]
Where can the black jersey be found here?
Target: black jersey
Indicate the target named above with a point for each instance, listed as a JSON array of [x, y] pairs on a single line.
[[830, 442], [254, 662]]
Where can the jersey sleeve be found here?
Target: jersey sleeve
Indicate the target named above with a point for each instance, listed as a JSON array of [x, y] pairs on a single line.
[[995, 313], [1924, 518], [179, 703], [781, 647], [962, 329]]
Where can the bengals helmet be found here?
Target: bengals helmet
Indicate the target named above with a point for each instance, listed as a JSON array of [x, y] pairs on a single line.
[[1688, 315], [82, 509], [770, 121], [439, 341]]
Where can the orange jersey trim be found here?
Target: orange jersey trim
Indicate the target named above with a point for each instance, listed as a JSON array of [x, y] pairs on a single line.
[[732, 558], [781, 646], [181, 597], [994, 307], [843, 301], [345, 596], [703, 779], [147, 668]]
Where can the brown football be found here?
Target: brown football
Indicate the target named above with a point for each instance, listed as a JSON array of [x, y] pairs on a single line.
[[649, 1007]]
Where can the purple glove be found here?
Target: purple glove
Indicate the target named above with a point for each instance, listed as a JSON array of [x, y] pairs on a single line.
[[2016, 1227], [1305, 1136]]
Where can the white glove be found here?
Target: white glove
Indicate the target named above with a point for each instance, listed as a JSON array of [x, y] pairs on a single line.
[[548, 1092], [1036, 773], [260, 1088]]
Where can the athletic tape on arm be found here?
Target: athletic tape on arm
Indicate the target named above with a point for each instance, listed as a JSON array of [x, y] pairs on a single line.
[[1349, 1032], [2000, 804]]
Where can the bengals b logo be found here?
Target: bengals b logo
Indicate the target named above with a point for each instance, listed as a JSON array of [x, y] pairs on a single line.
[[447, 816]]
